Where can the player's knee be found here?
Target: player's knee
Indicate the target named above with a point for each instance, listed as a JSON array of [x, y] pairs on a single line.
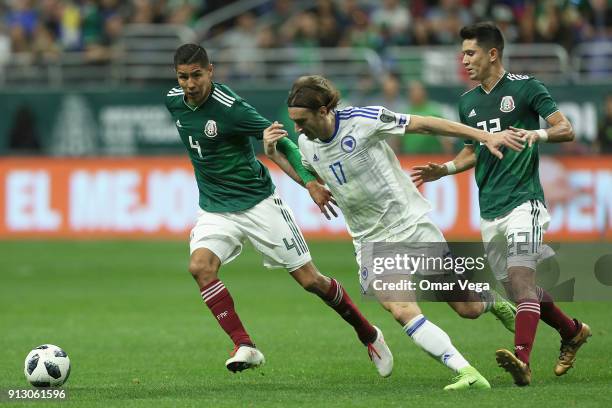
[[203, 271], [468, 310], [402, 312]]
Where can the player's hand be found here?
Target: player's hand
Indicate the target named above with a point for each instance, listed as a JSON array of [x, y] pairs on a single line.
[[529, 136], [271, 135], [430, 172], [508, 138], [323, 198]]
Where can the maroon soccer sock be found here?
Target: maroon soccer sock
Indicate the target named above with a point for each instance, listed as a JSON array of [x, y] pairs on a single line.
[[221, 304], [554, 317], [527, 317], [337, 298]]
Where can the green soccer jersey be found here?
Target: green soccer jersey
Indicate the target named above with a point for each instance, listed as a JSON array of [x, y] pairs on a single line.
[[519, 101], [217, 137]]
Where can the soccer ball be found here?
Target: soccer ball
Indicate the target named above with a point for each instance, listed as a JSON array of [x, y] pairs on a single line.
[[47, 366]]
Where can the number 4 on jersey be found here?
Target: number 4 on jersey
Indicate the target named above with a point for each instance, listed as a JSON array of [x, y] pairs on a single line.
[[195, 145]]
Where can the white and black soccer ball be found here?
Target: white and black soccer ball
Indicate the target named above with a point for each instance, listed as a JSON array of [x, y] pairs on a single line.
[[47, 366]]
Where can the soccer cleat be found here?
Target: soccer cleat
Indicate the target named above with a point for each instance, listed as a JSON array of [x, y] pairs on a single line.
[[504, 311], [244, 357], [520, 372], [468, 379], [380, 354], [569, 348]]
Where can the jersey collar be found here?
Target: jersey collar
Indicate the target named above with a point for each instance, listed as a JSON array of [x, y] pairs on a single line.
[[336, 126], [494, 85], [212, 88]]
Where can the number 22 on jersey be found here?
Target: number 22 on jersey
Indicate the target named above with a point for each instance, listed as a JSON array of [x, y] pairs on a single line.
[[492, 127]]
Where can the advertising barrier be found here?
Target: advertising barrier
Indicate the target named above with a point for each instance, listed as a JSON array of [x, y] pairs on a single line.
[[156, 197], [134, 121]]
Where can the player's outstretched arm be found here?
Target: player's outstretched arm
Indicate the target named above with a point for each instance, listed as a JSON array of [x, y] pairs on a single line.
[[271, 136], [289, 160], [465, 160], [560, 131], [432, 125]]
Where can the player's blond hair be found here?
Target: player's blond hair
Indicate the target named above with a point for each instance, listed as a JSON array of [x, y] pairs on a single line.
[[312, 92]]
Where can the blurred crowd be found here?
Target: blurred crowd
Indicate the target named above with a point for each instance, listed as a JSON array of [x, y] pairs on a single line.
[[379, 24], [47, 27], [43, 29]]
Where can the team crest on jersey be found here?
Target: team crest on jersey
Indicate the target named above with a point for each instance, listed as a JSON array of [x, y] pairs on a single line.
[[210, 129], [348, 143], [507, 104]]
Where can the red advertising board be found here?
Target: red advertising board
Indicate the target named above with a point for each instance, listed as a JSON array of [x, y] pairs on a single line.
[[156, 197]]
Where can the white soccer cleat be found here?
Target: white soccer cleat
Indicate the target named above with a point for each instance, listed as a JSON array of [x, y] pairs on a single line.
[[380, 354], [245, 357]]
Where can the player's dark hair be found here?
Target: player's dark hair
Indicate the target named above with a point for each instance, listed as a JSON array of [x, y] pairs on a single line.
[[188, 54], [312, 92], [486, 34]]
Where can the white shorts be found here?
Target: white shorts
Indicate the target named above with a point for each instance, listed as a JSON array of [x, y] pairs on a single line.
[[516, 238], [269, 226], [424, 231]]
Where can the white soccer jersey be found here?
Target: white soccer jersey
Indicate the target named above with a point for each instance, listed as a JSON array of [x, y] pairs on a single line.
[[377, 197]]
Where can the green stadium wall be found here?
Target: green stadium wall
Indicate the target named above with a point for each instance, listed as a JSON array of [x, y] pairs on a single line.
[[126, 121]]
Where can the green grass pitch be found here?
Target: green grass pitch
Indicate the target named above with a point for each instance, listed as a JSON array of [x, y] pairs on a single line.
[[138, 334]]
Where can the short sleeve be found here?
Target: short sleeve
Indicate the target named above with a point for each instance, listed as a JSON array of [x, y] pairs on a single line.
[[248, 122], [539, 98], [168, 103], [389, 123], [464, 121], [173, 99]]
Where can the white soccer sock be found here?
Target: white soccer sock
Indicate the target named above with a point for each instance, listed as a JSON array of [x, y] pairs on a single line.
[[435, 342]]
